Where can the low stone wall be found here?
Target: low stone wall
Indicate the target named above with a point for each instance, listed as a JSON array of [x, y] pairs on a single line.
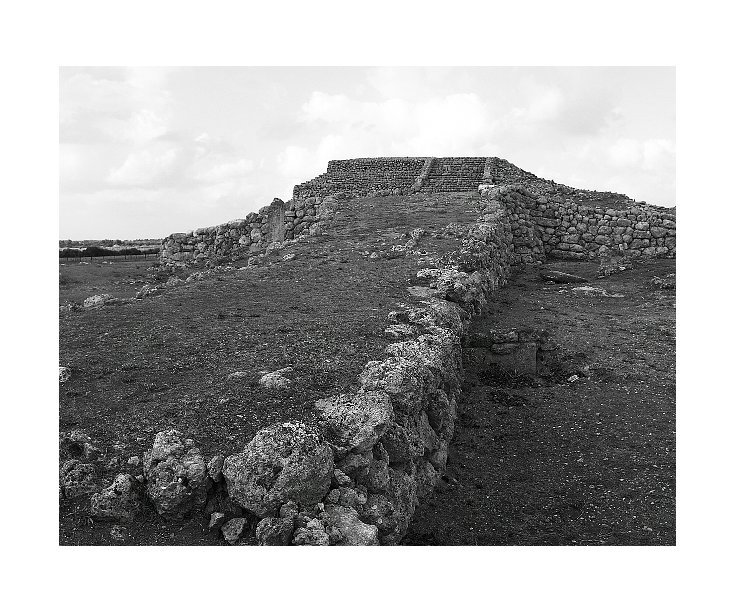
[[276, 223], [572, 226], [357, 475]]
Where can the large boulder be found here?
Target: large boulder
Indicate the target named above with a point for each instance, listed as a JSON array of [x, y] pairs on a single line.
[[285, 461], [355, 422], [121, 501], [176, 475]]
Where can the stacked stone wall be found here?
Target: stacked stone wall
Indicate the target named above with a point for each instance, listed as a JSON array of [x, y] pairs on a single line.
[[548, 218], [363, 177], [278, 222], [574, 224]]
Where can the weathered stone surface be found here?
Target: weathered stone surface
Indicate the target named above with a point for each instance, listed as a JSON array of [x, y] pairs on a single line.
[[285, 461], [76, 479], [351, 530], [355, 422], [391, 511], [313, 534], [121, 501], [275, 531], [214, 468], [276, 379], [233, 530], [98, 300], [216, 520], [176, 475], [400, 378]]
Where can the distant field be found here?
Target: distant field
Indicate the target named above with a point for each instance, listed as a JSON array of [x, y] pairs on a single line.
[[117, 276]]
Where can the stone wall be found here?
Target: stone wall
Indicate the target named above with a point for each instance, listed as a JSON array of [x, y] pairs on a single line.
[[363, 177], [385, 446], [455, 175], [547, 218], [357, 475], [573, 224], [278, 222]]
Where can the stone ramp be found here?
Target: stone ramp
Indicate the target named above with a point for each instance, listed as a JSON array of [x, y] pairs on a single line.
[[455, 174]]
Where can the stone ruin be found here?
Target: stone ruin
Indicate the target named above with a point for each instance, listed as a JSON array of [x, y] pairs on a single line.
[[357, 475], [547, 218]]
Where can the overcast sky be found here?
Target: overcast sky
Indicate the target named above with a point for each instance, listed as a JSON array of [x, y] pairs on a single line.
[[145, 152]]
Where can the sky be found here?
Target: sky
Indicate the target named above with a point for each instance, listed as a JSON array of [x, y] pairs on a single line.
[[145, 152]]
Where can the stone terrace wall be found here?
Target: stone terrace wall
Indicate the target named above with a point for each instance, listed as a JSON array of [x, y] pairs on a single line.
[[548, 218], [363, 176], [571, 226]]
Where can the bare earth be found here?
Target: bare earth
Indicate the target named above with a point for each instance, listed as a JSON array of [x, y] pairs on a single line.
[[553, 462]]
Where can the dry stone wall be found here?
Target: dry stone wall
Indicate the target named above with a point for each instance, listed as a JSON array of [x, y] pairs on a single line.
[[273, 224], [357, 475], [547, 218], [364, 176]]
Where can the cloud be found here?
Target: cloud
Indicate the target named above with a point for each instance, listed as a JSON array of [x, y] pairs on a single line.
[[128, 105], [345, 127], [651, 154], [148, 167]]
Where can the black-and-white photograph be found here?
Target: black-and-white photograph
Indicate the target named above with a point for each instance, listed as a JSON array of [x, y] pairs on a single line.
[[367, 306], [376, 307]]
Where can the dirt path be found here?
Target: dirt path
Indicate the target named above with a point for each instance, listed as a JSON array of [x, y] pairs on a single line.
[[552, 462]]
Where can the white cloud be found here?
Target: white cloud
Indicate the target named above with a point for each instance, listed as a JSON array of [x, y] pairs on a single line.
[[134, 106], [651, 154], [148, 167]]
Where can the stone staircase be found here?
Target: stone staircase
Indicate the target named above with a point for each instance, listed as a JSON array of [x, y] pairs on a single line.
[[455, 174]]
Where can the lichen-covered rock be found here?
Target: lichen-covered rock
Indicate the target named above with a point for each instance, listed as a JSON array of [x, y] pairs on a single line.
[[76, 479], [349, 529], [275, 531], [98, 300], [392, 510], [214, 468], [401, 379], [176, 475], [313, 534], [285, 461], [355, 422], [233, 529], [121, 501], [277, 379]]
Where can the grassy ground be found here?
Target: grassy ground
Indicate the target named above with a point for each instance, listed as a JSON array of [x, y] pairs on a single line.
[[550, 462], [122, 278], [164, 361]]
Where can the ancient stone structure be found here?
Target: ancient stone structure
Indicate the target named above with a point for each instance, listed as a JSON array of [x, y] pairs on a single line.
[[547, 218], [357, 476]]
